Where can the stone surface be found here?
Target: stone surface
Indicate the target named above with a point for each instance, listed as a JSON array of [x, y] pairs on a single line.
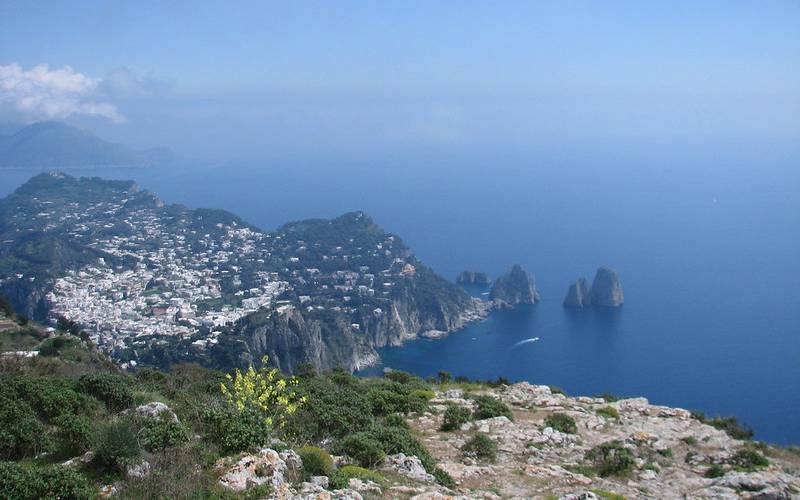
[[515, 287], [265, 467], [155, 410], [606, 288], [578, 294], [408, 466]]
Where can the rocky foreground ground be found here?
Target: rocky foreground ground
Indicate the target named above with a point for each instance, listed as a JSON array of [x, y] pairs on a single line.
[[673, 451]]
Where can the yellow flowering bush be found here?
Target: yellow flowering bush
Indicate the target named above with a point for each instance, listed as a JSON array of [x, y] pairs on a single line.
[[263, 390]]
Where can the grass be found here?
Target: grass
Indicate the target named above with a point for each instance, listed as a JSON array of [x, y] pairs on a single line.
[[608, 412], [607, 494]]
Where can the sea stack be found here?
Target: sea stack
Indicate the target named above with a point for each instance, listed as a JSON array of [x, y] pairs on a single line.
[[472, 278], [578, 294], [515, 287], [606, 289]]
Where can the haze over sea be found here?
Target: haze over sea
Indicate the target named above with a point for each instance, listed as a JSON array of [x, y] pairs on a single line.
[[707, 247]]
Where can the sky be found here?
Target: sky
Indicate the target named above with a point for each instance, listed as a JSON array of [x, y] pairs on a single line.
[[249, 80]]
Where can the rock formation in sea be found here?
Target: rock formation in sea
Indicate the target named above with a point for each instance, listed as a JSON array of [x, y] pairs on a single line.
[[472, 278], [606, 288], [515, 287], [578, 294]]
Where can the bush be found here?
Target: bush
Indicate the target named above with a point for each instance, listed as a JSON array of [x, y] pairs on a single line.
[[162, 433], [730, 425], [113, 390], [611, 458], [748, 460], [455, 416], [444, 376], [116, 444], [561, 422], [341, 477], [329, 410], [489, 407], [21, 433], [316, 461], [714, 471], [32, 483], [608, 412], [480, 446], [54, 346], [396, 420], [236, 431], [443, 478], [73, 434], [363, 448], [395, 440]]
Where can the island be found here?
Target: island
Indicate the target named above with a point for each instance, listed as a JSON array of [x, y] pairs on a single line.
[[156, 284], [606, 291], [515, 287]]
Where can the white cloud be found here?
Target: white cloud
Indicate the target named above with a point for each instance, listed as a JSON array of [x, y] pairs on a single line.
[[44, 94]]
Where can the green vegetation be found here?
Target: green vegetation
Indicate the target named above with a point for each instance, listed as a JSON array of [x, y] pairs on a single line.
[[730, 425], [480, 446], [561, 422], [116, 444], [690, 440], [607, 495], [489, 407], [22, 482], [316, 461], [608, 412], [714, 471], [342, 476], [610, 459], [748, 460], [455, 416]]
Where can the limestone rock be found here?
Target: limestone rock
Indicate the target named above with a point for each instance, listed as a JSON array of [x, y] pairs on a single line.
[[606, 288], [254, 470], [472, 278], [515, 287], [408, 466], [154, 410], [578, 294]]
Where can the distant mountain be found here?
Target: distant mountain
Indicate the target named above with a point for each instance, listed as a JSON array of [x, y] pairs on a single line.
[[56, 145]]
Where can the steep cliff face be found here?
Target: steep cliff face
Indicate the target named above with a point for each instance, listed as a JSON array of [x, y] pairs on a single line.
[[472, 278], [515, 287], [330, 341], [607, 289], [578, 294]]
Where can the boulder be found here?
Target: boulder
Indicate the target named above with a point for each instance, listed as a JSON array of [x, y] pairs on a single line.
[[408, 466], [254, 470], [606, 288], [154, 410]]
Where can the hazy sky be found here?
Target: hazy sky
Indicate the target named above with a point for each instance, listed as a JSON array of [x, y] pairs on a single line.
[[251, 79]]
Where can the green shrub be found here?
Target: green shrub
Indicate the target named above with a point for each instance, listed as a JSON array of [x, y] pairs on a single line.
[[340, 478], [425, 394], [608, 412], [236, 431], [396, 420], [116, 444], [443, 478], [73, 434], [399, 377], [329, 410], [21, 433], [53, 346], [690, 440], [489, 407], [162, 433], [395, 440], [714, 471], [611, 458], [316, 461], [730, 425], [113, 390], [361, 447], [748, 460], [480, 446], [49, 397], [608, 397], [444, 376], [561, 422], [455, 416], [32, 483]]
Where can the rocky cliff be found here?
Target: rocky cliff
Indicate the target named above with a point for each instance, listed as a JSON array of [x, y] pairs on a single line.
[[472, 278], [606, 288], [515, 287], [578, 294]]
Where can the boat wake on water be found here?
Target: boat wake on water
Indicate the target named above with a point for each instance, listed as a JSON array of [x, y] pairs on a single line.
[[526, 341]]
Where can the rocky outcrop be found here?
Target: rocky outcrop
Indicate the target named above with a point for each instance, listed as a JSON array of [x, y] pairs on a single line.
[[472, 278], [155, 411], [670, 451], [578, 294], [515, 287], [606, 288]]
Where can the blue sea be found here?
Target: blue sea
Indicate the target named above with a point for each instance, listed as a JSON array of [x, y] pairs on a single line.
[[707, 248]]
